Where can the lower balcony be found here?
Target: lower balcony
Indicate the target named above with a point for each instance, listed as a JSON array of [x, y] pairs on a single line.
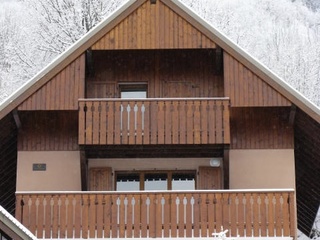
[[168, 214], [154, 121]]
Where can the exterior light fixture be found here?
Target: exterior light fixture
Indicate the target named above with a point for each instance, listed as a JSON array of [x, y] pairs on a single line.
[[215, 162]]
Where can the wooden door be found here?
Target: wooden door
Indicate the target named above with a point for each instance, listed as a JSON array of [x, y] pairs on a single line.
[[209, 178], [100, 179]]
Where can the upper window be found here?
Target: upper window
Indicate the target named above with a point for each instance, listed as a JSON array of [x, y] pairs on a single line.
[[133, 90]]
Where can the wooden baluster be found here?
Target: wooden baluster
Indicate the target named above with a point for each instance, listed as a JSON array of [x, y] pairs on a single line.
[[89, 122], [168, 122], [77, 215], [286, 217], [152, 216], [183, 122], [33, 214], [175, 122], [248, 213], [153, 123], [181, 221], [234, 214], [114, 216], [103, 122], [196, 215], [173, 219], [63, 215], [107, 214], [241, 214], [211, 112], [263, 215], [278, 215], [125, 121], [204, 217], [144, 216], [190, 122], [96, 123], [41, 217], [85, 215], [110, 112], [99, 215], [137, 215], [292, 215], [226, 122], [117, 122], [70, 216], [219, 121], [189, 220], [137, 131], [146, 123], [92, 215], [161, 121], [226, 222], [122, 212], [167, 215], [48, 217], [270, 215], [204, 122], [129, 218], [197, 123], [19, 207], [256, 215], [158, 216], [82, 120], [55, 215], [133, 123]]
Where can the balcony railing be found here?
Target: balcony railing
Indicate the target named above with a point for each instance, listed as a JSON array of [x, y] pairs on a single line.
[[169, 214], [154, 121]]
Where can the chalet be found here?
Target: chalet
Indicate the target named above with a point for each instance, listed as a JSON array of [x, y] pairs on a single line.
[[156, 125]]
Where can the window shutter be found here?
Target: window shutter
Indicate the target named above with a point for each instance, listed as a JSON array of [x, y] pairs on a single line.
[[100, 179], [209, 178]]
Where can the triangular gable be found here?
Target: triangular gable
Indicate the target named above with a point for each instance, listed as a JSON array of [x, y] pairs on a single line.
[[185, 13], [153, 26]]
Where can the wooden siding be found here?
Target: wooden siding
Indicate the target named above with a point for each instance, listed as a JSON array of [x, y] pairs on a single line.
[[307, 165], [246, 89], [168, 73], [154, 121], [167, 214], [48, 131], [153, 26], [8, 162], [62, 91], [261, 128]]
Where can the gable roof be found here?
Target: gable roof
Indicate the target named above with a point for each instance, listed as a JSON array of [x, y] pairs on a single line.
[[13, 228], [88, 40]]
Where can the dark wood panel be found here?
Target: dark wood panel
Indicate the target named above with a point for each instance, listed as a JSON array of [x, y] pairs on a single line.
[[62, 91], [246, 89], [44, 131], [8, 162], [153, 26], [168, 73], [261, 128]]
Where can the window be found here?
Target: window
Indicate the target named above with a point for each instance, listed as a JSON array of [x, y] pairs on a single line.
[[155, 180], [133, 90]]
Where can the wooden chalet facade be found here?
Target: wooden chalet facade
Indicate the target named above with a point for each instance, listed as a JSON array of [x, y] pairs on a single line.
[[155, 125]]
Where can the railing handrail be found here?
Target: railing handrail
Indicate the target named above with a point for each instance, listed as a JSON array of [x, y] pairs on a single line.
[[151, 99], [161, 192]]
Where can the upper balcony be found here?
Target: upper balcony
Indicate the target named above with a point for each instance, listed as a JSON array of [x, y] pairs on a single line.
[[154, 121]]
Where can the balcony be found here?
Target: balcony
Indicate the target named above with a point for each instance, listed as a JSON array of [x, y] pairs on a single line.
[[169, 214], [154, 121]]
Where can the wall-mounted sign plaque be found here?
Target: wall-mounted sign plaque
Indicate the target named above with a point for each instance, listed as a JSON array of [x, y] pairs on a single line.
[[39, 167]]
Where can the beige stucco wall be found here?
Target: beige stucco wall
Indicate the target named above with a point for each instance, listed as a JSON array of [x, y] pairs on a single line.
[[62, 171], [254, 169]]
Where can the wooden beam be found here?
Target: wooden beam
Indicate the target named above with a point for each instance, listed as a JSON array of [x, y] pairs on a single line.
[[16, 118], [84, 170], [226, 167], [292, 114]]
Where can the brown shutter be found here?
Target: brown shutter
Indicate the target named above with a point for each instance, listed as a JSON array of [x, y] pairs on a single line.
[[100, 179], [209, 178]]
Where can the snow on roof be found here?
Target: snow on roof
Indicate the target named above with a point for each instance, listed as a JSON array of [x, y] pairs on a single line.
[[15, 225]]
